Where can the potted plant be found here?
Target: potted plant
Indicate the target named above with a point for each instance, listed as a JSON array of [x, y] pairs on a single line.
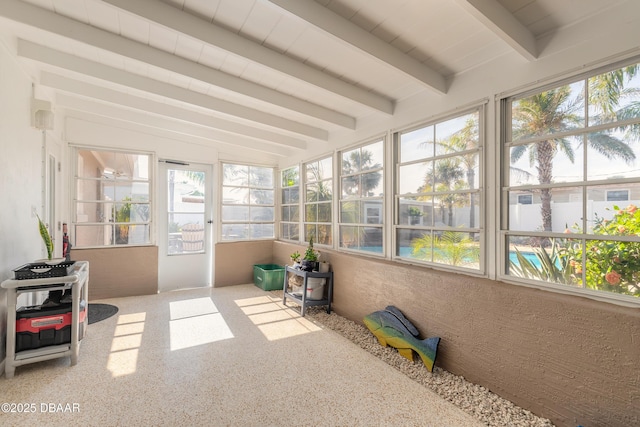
[[295, 259], [310, 259], [46, 238]]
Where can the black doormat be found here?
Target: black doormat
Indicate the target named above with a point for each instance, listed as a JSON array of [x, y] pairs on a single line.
[[98, 312]]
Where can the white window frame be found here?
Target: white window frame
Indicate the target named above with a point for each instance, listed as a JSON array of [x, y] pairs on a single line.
[[315, 204], [283, 204], [504, 111], [362, 199], [249, 186], [77, 198], [479, 226]]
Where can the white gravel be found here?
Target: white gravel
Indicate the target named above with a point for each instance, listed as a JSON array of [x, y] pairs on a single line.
[[476, 400]]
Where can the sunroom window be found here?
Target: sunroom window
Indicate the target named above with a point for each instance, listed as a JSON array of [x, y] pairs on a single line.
[[575, 148], [112, 199], [362, 198], [248, 210], [318, 201], [290, 204], [437, 202]]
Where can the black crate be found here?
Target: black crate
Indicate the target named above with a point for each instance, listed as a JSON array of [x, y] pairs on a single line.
[[41, 270]]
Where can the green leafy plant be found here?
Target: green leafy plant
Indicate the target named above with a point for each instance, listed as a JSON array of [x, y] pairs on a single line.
[[610, 265], [454, 248], [414, 211], [551, 265], [46, 237], [311, 254], [295, 257]]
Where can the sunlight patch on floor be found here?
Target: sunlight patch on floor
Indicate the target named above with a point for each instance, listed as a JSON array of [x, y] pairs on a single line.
[[196, 322], [127, 337], [274, 319]]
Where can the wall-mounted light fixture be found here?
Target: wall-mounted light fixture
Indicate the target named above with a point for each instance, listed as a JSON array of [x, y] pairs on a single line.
[[41, 114]]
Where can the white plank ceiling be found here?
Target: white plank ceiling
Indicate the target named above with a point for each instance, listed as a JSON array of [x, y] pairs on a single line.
[[267, 75]]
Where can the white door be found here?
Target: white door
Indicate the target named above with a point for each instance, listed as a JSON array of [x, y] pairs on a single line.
[[185, 258]]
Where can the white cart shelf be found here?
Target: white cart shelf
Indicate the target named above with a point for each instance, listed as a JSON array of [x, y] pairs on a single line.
[[303, 300], [78, 282]]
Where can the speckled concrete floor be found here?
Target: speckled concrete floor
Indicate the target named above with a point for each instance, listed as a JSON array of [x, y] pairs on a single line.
[[226, 357]]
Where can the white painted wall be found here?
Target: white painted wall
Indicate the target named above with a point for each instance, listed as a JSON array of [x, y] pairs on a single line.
[[20, 177]]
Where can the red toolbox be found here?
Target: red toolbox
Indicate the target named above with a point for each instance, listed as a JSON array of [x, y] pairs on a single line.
[[38, 326]]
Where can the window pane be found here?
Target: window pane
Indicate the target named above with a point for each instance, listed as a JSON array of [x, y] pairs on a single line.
[[260, 177], [417, 144], [311, 193], [325, 168], [454, 210], [310, 232], [235, 175], [122, 191], [415, 211], [458, 134], [93, 212], [371, 239], [94, 235], [235, 195], [110, 165], [601, 209], [286, 213], [414, 177], [295, 213], [291, 195], [317, 171], [613, 154], [604, 108], [290, 177], [349, 237], [373, 213], [546, 113], [186, 233], [547, 162], [325, 192], [235, 213], [372, 156], [235, 231], [351, 162], [552, 210], [545, 259], [448, 247], [289, 231], [404, 247], [350, 186], [262, 197], [350, 212], [324, 212], [311, 213], [372, 184], [324, 234], [262, 231], [262, 214], [112, 187]]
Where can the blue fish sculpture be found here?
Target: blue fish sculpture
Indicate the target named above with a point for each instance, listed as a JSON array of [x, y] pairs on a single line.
[[392, 328]]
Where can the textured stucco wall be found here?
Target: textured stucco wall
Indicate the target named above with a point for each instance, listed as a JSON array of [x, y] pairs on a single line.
[[567, 358], [233, 262], [120, 272]]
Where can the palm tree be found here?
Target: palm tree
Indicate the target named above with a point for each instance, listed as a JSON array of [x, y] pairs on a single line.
[[360, 160], [553, 111], [466, 138], [445, 177]]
